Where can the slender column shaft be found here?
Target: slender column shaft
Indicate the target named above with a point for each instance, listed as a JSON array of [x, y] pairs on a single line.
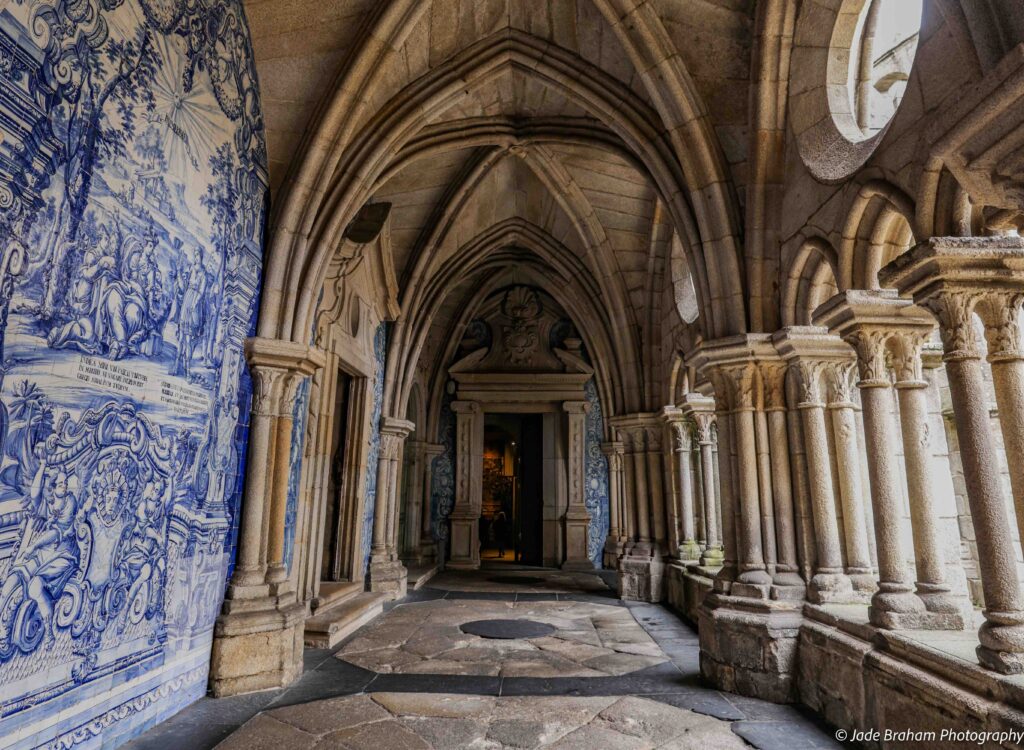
[[893, 588], [705, 439], [829, 583], [782, 491], [655, 475], [1001, 315], [931, 575], [726, 503], [277, 571], [688, 548], [858, 553], [642, 499], [751, 553], [765, 489]]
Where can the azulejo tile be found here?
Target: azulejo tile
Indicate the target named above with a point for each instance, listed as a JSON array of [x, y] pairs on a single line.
[[129, 280]]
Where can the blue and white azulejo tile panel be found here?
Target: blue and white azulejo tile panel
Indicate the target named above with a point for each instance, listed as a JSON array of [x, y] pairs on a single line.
[[132, 200]]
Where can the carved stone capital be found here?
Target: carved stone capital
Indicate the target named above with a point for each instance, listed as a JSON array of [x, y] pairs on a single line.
[[839, 376], [809, 381], [955, 312], [705, 421], [1000, 312], [773, 379], [266, 389], [575, 407], [681, 437], [905, 355], [870, 346]]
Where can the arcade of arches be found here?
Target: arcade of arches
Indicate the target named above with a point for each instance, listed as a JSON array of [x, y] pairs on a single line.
[[714, 300], [793, 313]]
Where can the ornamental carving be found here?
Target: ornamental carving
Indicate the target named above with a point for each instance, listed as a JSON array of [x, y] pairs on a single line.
[[264, 385], [839, 382], [705, 422], [955, 313], [809, 381], [522, 306], [680, 437], [1000, 312], [773, 378], [905, 354], [870, 346]]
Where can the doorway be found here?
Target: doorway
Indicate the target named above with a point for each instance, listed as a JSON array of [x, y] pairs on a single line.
[[512, 511], [333, 564]]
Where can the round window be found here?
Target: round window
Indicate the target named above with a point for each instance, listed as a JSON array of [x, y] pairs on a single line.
[[849, 70], [873, 47]]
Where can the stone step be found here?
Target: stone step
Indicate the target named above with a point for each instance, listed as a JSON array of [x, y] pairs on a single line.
[[328, 627], [418, 575], [335, 592]]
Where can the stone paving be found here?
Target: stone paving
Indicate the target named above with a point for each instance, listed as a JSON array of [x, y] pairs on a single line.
[[613, 675], [590, 640], [413, 721]]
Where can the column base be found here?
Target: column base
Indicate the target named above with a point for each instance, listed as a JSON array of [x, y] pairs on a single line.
[[613, 550], [712, 557], [641, 578], [388, 577], [1002, 642], [689, 551], [749, 646], [257, 645], [863, 583], [832, 588]]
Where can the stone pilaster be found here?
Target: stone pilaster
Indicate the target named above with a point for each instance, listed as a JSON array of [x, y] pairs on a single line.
[[947, 277], [387, 574], [465, 515], [427, 548], [615, 543], [258, 636], [641, 567], [577, 518]]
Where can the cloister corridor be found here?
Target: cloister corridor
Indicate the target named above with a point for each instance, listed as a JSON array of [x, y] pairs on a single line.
[[609, 674]]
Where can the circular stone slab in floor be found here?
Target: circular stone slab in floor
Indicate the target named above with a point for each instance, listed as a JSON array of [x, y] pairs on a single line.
[[522, 580], [507, 629]]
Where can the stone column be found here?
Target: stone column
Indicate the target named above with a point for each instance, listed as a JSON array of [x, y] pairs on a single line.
[[577, 518], [777, 440], [386, 573], [1000, 312], [844, 424], [258, 637], [742, 379], [615, 544], [465, 515], [866, 320], [641, 568], [911, 386], [683, 515], [713, 552], [935, 275], [809, 350]]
